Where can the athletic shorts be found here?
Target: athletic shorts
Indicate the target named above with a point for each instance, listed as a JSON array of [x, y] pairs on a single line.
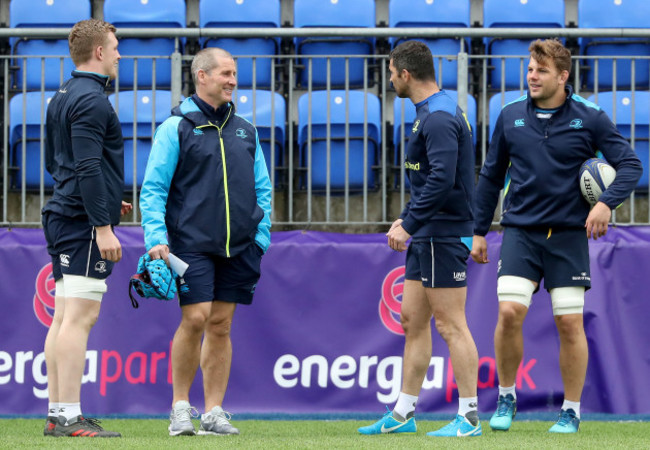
[[560, 256], [73, 247], [210, 277], [437, 264]]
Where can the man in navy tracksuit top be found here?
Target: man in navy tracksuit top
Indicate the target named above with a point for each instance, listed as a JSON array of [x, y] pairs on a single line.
[[84, 153], [206, 197], [438, 219], [540, 141]]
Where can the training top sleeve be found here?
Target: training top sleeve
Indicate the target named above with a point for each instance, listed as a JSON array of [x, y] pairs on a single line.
[[263, 192], [158, 175], [618, 152], [441, 136], [491, 180], [88, 124]]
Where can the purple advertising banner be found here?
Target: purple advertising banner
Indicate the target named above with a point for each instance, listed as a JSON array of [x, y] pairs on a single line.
[[323, 332]]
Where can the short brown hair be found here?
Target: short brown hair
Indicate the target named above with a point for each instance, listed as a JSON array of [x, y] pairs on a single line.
[[415, 57], [551, 49], [85, 37]]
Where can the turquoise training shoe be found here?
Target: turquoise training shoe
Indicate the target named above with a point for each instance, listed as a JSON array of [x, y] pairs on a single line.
[[459, 427], [388, 424], [505, 413], [568, 422]]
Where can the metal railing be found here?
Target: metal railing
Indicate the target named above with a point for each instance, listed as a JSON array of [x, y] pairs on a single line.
[[370, 204]]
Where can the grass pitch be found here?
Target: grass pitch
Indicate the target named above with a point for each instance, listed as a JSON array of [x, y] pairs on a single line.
[[322, 434]]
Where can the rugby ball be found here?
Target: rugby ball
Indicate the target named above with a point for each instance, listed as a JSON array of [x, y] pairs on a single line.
[[595, 176]]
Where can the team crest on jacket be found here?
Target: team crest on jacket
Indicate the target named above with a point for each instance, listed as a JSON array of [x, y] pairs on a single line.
[[198, 131], [241, 133], [576, 123]]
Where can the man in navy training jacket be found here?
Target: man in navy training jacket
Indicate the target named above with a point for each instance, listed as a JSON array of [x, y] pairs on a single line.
[[540, 140], [438, 219], [206, 197], [84, 152]]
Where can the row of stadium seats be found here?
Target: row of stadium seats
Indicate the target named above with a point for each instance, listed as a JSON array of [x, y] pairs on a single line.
[[328, 13], [354, 127]]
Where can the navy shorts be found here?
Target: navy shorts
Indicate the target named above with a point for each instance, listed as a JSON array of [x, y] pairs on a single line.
[[73, 247], [437, 264], [210, 277], [560, 256]]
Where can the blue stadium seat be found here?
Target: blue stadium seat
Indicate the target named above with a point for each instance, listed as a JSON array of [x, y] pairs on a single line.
[[34, 109], [407, 121], [139, 116], [50, 14], [145, 14], [344, 112], [244, 14], [615, 14], [267, 113], [497, 102], [334, 13], [620, 107], [439, 13], [516, 14]]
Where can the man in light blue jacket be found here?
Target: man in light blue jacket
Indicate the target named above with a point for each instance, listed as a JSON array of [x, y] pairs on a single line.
[[206, 198]]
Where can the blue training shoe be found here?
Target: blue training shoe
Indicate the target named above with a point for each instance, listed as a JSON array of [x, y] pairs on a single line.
[[568, 422], [505, 413], [388, 424], [459, 427]]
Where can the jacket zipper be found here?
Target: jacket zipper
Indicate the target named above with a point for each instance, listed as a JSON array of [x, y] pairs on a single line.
[[225, 178]]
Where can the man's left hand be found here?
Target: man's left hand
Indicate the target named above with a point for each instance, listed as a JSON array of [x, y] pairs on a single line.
[[598, 220], [397, 237], [126, 208]]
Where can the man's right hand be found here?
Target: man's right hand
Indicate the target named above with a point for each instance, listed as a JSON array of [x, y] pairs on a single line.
[[160, 251], [479, 250], [109, 246]]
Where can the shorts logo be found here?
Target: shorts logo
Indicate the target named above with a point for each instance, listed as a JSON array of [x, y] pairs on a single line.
[[582, 277], [576, 123], [65, 260], [241, 133], [100, 266], [390, 305], [460, 276], [519, 123]]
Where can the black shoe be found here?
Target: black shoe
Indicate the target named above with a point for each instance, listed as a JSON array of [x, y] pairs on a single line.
[[82, 427], [50, 424]]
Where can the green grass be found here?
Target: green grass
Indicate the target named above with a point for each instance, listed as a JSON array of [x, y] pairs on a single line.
[[340, 434]]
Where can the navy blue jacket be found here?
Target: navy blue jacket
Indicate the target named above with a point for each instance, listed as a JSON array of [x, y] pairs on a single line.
[[542, 159], [84, 151], [440, 166], [206, 187]]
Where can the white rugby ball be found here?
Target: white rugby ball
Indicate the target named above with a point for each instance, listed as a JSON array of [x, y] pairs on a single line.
[[595, 176]]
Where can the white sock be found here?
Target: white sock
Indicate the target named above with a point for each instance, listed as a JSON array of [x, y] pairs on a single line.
[[572, 405], [53, 409], [405, 405], [467, 404], [508, 390], [69, 410]]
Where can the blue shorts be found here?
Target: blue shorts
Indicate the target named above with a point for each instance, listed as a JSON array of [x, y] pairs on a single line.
[[437, 264], [560, 256], [211, 277], [73, 247]]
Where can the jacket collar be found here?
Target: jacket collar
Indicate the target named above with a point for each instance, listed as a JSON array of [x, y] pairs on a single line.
[[191, 110], [101, 79]]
